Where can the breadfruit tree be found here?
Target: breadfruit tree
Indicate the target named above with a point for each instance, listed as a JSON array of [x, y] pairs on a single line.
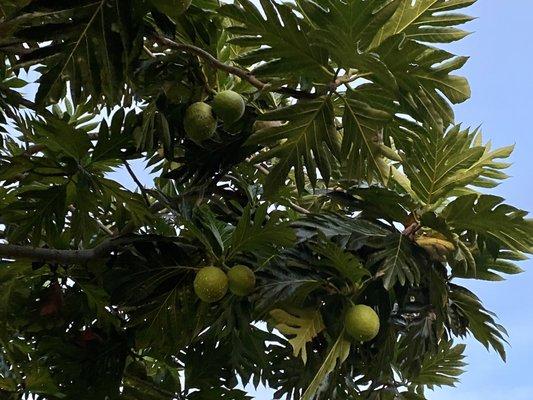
[[313, 204]]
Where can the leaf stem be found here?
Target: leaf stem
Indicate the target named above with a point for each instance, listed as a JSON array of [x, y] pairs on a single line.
[[137, 182]]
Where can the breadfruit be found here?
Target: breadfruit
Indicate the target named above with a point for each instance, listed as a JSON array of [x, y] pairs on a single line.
[[199, 122], [241, 280], [228, 106], [361, 322], [210, 284]]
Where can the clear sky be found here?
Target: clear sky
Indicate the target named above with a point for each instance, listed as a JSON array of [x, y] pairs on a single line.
[[499, 72]]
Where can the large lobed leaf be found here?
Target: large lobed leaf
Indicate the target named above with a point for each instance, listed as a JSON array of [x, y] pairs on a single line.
[[308, 140], [91, 44]]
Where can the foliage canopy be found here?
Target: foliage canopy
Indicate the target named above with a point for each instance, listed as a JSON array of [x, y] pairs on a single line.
[[346, 181]]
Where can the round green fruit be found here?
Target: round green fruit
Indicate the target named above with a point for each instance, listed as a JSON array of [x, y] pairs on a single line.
[[199, 122], [172, 8], [228, 106], [210, 284], [361, 322], [241, 280]]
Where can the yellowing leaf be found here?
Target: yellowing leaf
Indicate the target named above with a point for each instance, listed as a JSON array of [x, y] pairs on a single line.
[[303, 324]]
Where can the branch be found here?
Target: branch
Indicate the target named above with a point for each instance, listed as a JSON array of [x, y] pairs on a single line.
[[102, 251], [138, 182], [230, 69]]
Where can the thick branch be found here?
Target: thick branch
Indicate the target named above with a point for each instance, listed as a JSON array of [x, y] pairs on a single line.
[[101, 251], [231, 69]]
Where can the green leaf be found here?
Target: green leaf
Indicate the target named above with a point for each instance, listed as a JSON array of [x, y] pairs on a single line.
[[16, 281], [61, 137], [46, 218], [287, 279], [407, 13], [441, 368], [336, 225], [98, 301], [471, 316], [396, 261], [455, 88], [39, 381], [336, 356], [303, 141], [303, 325], [133, 202], [425, 88], [214, 234], [113, 140], [425, 21], [98, 40], [333, 256], [260, 234], [439, 163], [278, 41], [360, 146], [345, 28], [491, 219]]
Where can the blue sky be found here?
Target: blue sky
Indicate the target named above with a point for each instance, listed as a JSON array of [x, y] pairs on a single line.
[[499, 72]]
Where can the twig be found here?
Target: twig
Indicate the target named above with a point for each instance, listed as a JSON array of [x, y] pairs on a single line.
[[138, 182], [348, 78], [298, 208], [231, 69], [261, 168], [149, 52], [411, 230]]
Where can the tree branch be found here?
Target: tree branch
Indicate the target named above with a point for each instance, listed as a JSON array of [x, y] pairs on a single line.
[[102, 251], [230, 69]]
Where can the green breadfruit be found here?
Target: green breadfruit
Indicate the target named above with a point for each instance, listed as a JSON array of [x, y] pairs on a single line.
[[361, 322], [241, 280], [210, 284], [228, 106], [199, 122]]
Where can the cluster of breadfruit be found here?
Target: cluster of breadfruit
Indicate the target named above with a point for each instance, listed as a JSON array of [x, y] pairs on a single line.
[[200, 121], [211, 284]]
